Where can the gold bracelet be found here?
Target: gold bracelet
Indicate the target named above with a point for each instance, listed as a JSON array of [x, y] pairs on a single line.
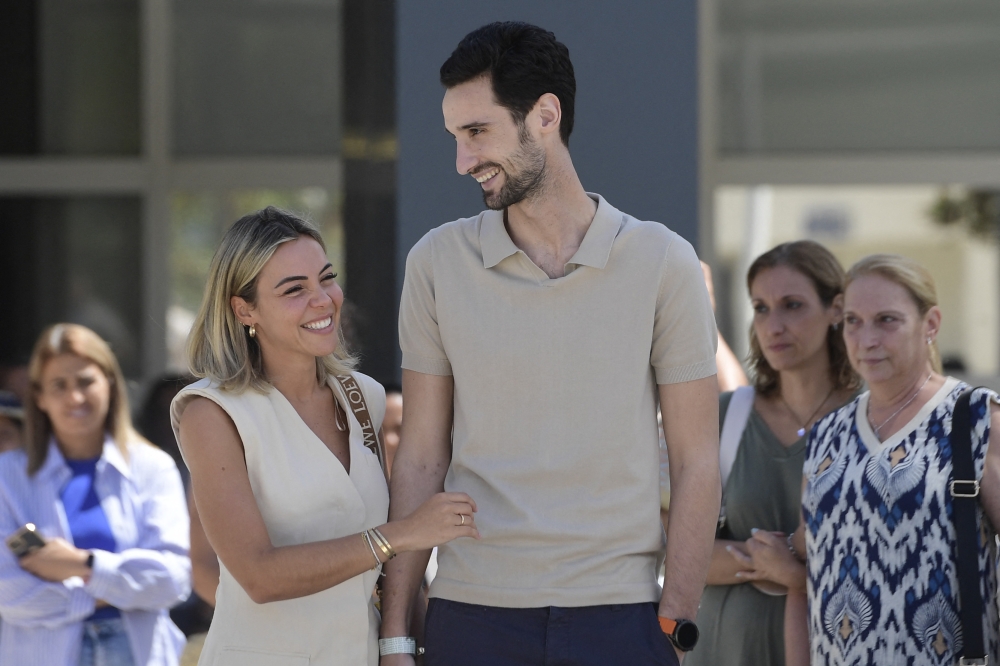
[[367, 540], [392, 551], [379, 542], [383, 543]]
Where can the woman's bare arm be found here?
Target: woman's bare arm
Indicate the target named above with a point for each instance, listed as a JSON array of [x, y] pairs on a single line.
[[236, 530], [204, 561], [724, 566]]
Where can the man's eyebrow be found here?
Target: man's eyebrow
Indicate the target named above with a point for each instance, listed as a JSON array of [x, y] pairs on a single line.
[[469, 126]]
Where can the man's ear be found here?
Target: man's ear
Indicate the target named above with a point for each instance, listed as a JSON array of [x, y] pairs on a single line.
[[549, 112], [242, 310]]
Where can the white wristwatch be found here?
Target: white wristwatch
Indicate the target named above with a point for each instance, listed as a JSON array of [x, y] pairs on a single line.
[[398, 645]]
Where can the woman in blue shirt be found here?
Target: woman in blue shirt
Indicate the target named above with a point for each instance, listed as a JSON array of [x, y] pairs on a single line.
[[112, 511]]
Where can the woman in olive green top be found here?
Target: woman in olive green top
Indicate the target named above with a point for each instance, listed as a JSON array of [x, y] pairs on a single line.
[[800, 373]]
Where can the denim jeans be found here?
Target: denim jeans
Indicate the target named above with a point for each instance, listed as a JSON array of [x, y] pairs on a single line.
[[105, 643]]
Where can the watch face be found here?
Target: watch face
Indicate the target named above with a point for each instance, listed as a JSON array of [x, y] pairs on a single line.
[[686, 635]]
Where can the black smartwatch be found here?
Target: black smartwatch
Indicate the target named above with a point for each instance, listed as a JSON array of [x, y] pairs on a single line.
[[682, 633]]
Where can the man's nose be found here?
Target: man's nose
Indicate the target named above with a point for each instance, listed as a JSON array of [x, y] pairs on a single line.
[[465, 159]]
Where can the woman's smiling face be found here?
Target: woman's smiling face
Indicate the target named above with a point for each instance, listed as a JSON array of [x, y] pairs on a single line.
[[75, 394], [298, 302]]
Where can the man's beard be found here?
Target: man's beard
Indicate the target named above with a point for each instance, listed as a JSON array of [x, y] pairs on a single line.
[[524, 179]]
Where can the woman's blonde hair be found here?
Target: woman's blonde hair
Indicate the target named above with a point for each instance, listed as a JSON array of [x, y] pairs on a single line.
[[83, 342], [909, 275], [827, 276], [219, 346]]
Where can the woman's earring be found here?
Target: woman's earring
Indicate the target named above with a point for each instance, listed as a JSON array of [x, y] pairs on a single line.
[[253, 330], [930, 340]]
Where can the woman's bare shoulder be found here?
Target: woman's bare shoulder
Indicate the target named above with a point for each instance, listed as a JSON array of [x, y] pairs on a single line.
[[205, 420]]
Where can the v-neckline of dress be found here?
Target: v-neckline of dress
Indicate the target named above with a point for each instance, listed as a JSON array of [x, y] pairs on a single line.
[[350, 428], [867, 435]]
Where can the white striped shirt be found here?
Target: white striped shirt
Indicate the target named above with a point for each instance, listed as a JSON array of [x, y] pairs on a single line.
[[145, 505]]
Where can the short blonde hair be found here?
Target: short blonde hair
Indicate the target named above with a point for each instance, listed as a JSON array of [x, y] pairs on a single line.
[[219, 346], [79, 341], [908, 274]]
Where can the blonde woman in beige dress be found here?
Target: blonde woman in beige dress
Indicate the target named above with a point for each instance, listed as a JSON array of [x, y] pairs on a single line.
[[291, 499]]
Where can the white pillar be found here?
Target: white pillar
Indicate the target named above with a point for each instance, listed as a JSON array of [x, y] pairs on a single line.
[[756, 241]]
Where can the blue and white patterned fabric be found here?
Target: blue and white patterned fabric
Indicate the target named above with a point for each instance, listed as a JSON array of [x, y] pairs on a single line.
[[880, 537]]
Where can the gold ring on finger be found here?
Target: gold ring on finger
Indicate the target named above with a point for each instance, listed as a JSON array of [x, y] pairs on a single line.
[[463, 519]]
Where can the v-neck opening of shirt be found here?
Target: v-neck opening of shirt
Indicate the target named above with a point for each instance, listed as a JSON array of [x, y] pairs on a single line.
[[347, 412], [790, 449], [867, 434]]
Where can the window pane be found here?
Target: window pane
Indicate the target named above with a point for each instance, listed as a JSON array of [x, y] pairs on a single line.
[[87, 79], [847, 76], [257, 78], [72, 259]]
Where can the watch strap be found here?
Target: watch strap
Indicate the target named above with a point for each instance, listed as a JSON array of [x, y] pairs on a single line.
[[398, 645], [667, 625]]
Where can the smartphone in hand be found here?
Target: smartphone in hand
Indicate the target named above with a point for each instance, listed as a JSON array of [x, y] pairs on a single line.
[[25, 540]]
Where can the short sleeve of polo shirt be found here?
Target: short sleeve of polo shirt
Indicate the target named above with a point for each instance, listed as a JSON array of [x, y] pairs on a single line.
[[419, 335], [684, 334]]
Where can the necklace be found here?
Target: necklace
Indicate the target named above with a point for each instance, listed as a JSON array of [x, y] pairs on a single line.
[[906, 404], [339, 422], [802, 430]]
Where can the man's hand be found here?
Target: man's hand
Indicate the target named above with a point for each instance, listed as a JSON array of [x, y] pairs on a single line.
[[56, 561]]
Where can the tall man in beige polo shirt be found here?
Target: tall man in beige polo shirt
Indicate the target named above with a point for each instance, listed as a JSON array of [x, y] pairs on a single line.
[[537, 338]]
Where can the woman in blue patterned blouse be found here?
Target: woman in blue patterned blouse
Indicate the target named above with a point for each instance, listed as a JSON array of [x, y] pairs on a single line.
[[880, 538]]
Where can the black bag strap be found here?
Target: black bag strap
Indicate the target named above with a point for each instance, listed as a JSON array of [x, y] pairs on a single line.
[[964, 488]]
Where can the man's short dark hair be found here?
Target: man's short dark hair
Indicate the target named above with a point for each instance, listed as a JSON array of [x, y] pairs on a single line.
[[522, 62]]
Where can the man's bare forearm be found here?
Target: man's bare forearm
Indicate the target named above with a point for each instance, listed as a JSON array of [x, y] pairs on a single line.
[[418, 472], [691, 428], [694, 511], [410, 489]]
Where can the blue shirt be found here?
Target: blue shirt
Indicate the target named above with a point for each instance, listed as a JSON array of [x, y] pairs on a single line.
[[147, 573], [87, 521]]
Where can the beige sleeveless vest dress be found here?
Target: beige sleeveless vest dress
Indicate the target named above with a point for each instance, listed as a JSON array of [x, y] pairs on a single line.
[[304, 495]]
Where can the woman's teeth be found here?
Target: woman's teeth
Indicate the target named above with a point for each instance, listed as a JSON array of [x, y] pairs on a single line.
[[318, 325]]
